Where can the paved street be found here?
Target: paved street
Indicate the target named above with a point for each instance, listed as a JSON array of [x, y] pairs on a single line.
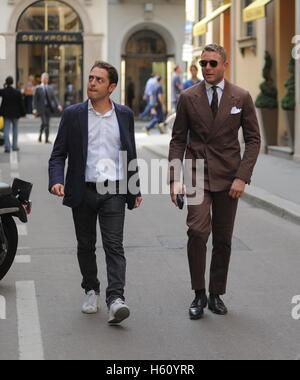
[[43, 295]]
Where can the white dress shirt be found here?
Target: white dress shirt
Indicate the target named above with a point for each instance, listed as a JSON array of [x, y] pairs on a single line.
[[104, 160], [210, 91]]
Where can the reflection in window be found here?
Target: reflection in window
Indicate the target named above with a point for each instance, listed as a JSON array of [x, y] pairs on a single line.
[[199, 41], [248, 26], [45, 16]]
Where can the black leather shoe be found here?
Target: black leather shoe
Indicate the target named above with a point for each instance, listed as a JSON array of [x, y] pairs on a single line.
[[197, 307], [216, 305]]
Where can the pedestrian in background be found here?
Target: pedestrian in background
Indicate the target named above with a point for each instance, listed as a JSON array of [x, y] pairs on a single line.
[[44, 105], [91, 133], [28, 93], [194, 79], [12, 108], [209, 116], [148, 95], [176, 87], [159, 108]]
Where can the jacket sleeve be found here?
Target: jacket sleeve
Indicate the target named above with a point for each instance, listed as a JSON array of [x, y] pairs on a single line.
[[252, 141], [178, 142], [132, 137], [59, 154]]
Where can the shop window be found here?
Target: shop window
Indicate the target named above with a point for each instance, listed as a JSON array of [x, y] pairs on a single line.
[[49, 16], [50, 39]]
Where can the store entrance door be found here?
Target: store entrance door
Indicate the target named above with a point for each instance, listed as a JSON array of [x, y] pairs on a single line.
[[146, 53]]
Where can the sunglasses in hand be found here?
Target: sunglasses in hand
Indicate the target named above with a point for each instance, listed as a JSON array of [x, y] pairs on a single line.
[[213, 63]]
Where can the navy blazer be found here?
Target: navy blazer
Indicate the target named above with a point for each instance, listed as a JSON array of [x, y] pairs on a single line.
[[72, 143]]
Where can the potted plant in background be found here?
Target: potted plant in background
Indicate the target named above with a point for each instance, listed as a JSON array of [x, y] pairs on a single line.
[[289, 103], [267, 102]]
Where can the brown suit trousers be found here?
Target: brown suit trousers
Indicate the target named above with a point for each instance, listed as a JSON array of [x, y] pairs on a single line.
[[217, 215]]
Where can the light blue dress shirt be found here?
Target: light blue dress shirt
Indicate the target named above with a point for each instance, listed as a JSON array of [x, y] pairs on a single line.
[[104, 160]]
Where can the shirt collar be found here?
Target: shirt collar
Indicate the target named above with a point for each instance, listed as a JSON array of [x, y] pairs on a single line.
[[221, 85], [108, 114]]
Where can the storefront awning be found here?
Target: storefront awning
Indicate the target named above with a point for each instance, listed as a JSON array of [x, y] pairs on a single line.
[[256, 10], [201, 27]]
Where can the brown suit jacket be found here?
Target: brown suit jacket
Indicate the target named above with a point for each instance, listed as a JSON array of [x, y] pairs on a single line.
[[197, 135]]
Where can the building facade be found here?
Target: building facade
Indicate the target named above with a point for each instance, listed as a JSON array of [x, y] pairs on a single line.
[[248, 29], [65, 38], [297, 129]]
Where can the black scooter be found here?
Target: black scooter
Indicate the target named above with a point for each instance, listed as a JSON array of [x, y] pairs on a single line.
[[14, 202]]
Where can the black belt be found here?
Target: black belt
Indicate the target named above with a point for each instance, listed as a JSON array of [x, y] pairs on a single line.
[[93, 185]]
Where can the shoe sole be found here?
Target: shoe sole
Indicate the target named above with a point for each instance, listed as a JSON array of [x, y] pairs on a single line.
[[193, 318], [215, 312], [90, 312], [121, 314]]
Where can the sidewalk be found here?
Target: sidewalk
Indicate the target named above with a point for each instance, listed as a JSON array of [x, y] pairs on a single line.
[[275, 183]]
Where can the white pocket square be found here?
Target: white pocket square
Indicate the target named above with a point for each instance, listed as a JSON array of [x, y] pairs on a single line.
[[235, 111]]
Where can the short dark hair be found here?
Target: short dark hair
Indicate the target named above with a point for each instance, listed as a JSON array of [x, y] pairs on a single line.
[[9, 81], [112, 71], [218, 49]]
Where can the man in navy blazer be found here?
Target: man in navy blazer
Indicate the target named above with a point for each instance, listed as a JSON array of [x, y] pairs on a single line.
[[91, 135]]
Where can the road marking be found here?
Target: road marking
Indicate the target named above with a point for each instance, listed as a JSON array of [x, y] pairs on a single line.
[[29, 330], [22, 229], [23, 259], [14, 163], [2, 308]]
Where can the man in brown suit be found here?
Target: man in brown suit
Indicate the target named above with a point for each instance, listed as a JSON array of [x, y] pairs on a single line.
[[209, 117]]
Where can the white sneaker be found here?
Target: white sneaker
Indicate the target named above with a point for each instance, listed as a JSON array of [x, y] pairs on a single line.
[[90, 304], [118, 311]]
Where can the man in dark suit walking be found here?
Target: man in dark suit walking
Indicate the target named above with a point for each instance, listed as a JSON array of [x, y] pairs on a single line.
[[89, 135], [44, 105], [12, 108], [209, 117]]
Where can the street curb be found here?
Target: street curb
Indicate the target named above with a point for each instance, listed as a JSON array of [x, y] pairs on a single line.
[[257, 196], [273, 203]]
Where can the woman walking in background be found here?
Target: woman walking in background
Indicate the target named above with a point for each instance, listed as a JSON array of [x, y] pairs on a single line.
[[12, 108]]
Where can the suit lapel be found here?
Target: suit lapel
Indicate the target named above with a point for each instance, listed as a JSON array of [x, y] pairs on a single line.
[[224, 110], [202, 107], [84, 126]]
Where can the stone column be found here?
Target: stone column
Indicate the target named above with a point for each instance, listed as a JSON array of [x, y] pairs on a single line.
[[93, 51], [8, 65], [297, 122]]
